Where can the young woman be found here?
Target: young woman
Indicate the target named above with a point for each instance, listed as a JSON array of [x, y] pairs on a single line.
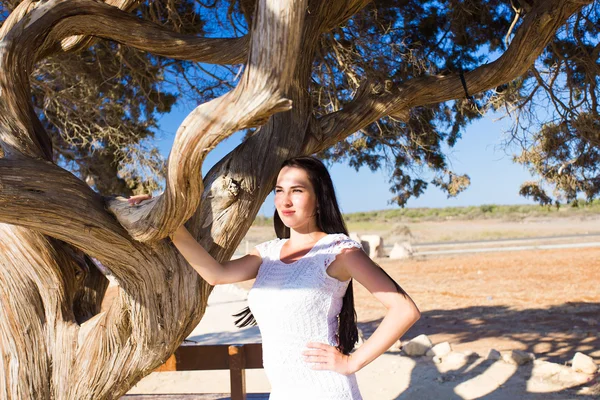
[[302, 297]]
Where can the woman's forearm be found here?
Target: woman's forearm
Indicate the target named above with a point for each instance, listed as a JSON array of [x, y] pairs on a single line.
[[208, 268], [395, 324]]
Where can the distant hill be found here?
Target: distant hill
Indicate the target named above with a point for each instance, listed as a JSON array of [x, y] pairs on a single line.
[[485, 211]]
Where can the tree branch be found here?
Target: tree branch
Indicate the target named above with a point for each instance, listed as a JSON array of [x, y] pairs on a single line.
[[36, 36], [160, 298], [256, 97], [73, 43], [374, 101], [39, 195], [271, 64]]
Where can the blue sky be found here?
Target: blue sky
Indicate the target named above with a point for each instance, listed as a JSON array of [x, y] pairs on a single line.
[[495, 179]]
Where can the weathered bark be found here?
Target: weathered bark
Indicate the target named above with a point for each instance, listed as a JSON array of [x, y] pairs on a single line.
[[72, 43], [53, 341], [161, 297]]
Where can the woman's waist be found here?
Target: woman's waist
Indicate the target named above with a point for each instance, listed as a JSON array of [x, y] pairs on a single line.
[[282, 353]]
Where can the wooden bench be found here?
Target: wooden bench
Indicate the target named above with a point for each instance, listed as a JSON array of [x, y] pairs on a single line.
[[190, 356]]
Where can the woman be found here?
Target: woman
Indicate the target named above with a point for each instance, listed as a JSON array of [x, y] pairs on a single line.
[[302, 297]]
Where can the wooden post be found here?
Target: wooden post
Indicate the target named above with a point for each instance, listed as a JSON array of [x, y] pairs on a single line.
[[237, 372]]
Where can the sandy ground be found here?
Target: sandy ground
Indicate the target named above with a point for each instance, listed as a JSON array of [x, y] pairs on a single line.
[[545, 302]]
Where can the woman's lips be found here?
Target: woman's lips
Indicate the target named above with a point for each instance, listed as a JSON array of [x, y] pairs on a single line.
[[288, 212]]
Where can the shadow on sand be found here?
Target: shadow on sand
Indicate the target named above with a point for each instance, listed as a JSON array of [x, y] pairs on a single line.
[[553, 334]]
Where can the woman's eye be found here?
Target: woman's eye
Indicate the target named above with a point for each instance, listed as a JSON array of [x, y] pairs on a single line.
[[298, 190]]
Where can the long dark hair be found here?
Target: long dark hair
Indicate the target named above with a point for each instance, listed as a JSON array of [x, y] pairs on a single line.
[[329, 220]]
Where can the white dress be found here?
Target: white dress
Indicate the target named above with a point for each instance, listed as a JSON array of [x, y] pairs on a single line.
[[298, 303]]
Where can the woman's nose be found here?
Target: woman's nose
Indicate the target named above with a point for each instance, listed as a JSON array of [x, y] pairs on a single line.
[[287, 200]]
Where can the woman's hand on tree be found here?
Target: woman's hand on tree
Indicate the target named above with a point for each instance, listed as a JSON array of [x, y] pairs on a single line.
[[137, 199], [325, 357]]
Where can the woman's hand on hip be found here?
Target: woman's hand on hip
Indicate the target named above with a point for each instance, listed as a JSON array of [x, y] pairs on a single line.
[[322, 356]]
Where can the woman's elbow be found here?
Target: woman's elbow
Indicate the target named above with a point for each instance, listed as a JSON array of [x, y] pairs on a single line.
[[211, 279], [211, 282], [409, 312], [413, 313]]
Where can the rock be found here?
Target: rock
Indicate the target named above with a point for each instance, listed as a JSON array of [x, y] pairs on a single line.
[[354, 236], [440, 349], [418, 346], [456, 358], [375, 245], [584, 363], [493, 354], [470, 353], [401, 251], [437, 360], [518, 357]]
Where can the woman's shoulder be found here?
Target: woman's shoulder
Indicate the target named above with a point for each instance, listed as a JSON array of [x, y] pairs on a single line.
[[264, 248], [342, 241]]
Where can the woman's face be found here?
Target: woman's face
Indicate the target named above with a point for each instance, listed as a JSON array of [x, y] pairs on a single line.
[[295, 198]]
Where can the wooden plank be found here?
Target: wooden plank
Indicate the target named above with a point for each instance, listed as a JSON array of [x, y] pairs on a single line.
[[208, 396], [190, 396], [253, 354], [199, 357]]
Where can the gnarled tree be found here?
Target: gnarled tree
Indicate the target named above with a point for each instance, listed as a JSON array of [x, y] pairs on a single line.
[[308, 83]]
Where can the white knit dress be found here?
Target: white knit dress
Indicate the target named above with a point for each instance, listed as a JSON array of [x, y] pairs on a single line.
[[295, 304]]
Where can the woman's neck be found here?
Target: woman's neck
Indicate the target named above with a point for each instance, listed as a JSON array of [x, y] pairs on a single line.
[[306, 235]]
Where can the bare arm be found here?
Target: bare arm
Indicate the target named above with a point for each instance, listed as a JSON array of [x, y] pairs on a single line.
[[208, 268], [401, 315]]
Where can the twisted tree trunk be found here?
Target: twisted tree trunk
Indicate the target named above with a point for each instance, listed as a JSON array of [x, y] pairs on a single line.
[[54, 342]]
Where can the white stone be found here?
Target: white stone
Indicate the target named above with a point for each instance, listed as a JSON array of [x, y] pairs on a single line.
[[493, 354], [437, 360], [440, 349], [456, 357], [375, 245], [354, 236], [584, 363], [401, 251], [418, 346]]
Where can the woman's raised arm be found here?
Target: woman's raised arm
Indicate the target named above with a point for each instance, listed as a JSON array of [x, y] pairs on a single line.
[[208, 268]]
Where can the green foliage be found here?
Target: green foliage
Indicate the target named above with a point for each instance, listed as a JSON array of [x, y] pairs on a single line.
[[392, 42]]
